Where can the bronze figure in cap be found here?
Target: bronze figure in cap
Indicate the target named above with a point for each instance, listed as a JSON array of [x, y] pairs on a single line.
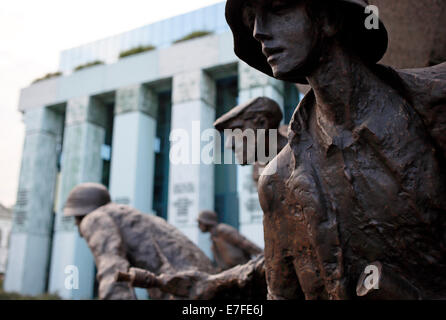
[[261, 113], [121, 237], [362, 179], [229, 247]]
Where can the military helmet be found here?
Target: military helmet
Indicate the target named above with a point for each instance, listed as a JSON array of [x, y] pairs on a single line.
[[85, 198], [208, 217], [370, 44]]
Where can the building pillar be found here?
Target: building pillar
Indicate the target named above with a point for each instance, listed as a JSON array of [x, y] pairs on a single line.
[[33, 214], [81, 162], [191, 182], [133, 154], [253, 84]]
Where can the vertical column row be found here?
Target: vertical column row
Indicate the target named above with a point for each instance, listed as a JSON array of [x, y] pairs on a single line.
[[31, 233], [252, 84], [191, 182], [81, 162]]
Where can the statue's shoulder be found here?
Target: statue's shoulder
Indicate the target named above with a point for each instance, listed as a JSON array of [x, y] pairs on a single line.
[[273, 178], [225, 229], [421, 85], [415, 77], [97, 220], [426, 88]]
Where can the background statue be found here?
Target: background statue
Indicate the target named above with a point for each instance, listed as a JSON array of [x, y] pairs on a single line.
[[229, 247], [362, 178], [255, 114], [121, 237]]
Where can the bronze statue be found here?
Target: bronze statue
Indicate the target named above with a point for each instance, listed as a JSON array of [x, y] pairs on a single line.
[[121, 237], [256, 114], [362, 178], [229, 247]]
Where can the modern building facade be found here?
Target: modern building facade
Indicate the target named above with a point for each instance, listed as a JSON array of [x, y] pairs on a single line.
[[5, 231], [112, 124]]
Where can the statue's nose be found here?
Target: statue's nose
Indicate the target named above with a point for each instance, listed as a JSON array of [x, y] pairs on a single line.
[[260, 32]]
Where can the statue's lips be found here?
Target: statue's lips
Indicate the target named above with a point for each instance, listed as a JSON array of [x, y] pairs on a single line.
[[272, 53]]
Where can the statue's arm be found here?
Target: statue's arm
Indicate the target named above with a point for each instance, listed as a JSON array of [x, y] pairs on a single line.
[[104, 239]]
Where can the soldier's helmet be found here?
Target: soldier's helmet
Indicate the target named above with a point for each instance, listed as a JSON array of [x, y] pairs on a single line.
[[370, 43], [208, 217], [85, 198]]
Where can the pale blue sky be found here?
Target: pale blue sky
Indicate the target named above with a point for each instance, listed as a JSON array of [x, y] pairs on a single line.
[[32, 34]]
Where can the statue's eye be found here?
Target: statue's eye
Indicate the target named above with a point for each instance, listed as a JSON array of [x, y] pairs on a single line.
[[280, 6], [248, 16]]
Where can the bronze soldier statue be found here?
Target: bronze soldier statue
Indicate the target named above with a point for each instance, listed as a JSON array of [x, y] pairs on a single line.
[[361, 181], [256, 114], [121, 237], [229, 247]]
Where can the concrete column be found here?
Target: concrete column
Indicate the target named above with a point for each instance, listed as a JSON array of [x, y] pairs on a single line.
[[252, 84], [191, 183], [30, 238], [133, 156], [81, 162]]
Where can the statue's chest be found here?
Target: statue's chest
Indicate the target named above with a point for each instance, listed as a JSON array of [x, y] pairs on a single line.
[[369, 175]]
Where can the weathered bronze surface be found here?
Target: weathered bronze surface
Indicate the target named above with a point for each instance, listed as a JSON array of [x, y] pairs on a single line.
[[121, 237], [229, 247], [362, 178], [245, 282]]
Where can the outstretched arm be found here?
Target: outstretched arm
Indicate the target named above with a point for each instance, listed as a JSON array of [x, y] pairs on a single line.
[[242, 281]]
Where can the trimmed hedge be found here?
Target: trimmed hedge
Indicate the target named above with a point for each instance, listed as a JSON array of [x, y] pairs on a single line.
[[136, 50], [48, 76], [193, 35], [88, 65], [15, 296]]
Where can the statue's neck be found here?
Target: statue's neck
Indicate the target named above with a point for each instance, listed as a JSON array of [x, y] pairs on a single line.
[[339, 82]]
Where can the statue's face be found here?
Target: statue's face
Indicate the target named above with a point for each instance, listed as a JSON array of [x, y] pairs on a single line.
[[285, 32], [245, 152]]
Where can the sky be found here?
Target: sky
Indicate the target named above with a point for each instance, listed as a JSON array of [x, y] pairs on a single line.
[[34, 32]]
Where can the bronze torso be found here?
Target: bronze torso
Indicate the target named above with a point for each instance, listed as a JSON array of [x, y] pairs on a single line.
[[337, 203], [121, 237]]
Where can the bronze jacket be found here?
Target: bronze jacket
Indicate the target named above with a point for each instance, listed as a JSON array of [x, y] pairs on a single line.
[[121, 237]]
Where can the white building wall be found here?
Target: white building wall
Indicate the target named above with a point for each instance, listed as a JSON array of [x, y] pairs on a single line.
[[33, 213], [83, 137], [191, 182], [133, 154], [5, 231]]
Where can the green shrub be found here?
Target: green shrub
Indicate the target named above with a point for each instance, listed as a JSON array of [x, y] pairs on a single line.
[[136, 50], [16, 296], [88, 65], [48, 76], [193, 35]]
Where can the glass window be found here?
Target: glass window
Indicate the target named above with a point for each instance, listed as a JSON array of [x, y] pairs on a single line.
[[225, 175]]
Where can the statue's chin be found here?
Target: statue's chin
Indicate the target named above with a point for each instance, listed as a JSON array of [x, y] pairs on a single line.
[[291, 73], [290, 76]]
